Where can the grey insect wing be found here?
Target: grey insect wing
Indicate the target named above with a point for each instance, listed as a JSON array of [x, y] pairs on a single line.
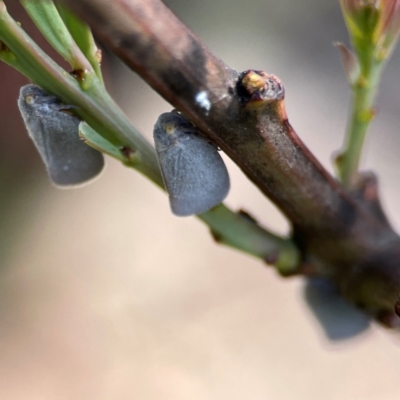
[[194, 173], [55, 133]]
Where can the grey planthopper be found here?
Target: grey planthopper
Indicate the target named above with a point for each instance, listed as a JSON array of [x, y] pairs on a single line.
[[194, 173], [55, 132]]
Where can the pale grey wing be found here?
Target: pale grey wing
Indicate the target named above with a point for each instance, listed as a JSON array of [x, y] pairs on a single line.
[[195, 176], [69, 161]]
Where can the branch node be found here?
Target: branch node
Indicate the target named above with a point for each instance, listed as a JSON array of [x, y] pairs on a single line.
[[257, 89]]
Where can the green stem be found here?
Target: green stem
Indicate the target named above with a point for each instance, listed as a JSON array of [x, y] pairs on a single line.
[[121, 140], [361, 115], [83, 37], [94, 105], [244, 234], [46, 17]]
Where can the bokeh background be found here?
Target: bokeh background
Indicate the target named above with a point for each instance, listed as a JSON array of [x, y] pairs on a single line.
[[105, 295]]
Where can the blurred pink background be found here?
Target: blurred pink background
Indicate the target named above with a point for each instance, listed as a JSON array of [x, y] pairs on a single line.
[[104, 294]]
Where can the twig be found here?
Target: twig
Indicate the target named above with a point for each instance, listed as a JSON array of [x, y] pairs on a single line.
[[341, 235]]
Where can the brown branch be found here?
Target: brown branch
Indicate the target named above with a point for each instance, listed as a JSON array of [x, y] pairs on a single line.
[[341, 234], [153, 42]]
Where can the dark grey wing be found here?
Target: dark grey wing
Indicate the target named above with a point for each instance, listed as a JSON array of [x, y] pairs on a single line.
[[195, 176], [339, 319], [69, 161], [171, 163]]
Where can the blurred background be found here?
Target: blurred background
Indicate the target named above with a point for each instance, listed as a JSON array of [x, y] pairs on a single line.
[[104, 294]]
